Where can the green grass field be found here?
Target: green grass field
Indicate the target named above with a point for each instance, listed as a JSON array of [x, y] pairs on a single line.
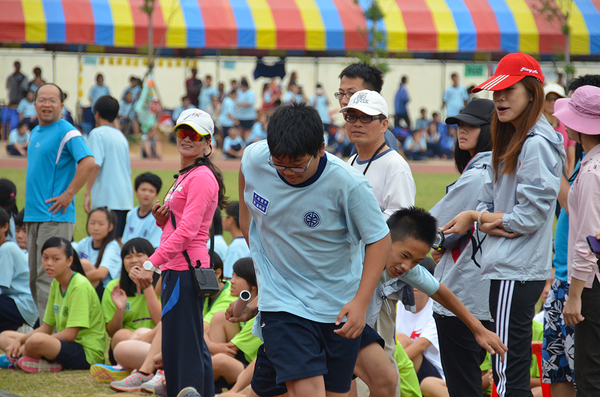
[[430, 188]]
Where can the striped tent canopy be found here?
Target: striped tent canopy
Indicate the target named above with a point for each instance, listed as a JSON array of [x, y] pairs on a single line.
[[308, 26]]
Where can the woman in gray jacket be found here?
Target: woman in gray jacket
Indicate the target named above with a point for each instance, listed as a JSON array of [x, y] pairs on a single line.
[[516, 210], [458, 260]]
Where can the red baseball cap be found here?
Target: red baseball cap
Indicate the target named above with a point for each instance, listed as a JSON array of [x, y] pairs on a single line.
[[510, 70]]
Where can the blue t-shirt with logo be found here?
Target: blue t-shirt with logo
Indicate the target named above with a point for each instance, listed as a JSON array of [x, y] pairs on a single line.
[[304, 238], [52, 158]]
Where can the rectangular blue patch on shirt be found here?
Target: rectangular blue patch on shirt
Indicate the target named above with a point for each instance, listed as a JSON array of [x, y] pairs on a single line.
[[260, 203]]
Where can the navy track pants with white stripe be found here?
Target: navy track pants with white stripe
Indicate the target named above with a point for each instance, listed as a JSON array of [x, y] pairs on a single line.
[[512, 304]]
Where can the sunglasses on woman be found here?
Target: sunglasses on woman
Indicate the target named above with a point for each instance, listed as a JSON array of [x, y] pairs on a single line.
[[183, 133]]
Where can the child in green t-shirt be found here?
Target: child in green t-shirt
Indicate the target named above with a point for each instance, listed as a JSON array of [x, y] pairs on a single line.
[[242, 348], [129, 312], [73, 308]]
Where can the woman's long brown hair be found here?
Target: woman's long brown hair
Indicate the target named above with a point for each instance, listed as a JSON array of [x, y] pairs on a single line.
[[508, 141]]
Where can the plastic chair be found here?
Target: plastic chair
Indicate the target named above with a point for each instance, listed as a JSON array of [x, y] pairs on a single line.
[[536, 348]]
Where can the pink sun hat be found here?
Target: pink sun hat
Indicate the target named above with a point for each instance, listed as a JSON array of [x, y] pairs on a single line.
[[581, 112], [510, 70]]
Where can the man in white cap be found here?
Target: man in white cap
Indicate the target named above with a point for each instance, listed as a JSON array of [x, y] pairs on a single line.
[[389, 175]]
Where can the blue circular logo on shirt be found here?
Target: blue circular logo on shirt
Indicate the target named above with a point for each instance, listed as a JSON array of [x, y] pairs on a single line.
[[311, 219]]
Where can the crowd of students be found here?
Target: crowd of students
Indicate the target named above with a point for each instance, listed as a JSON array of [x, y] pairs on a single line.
[[286, 317]]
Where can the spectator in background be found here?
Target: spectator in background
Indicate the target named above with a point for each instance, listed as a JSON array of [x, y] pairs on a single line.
[[402, 99], [151, 147], [238, 248], [126, 112], [109, 184], [37, 81], [293, 94], [259, 129], [26, 110], [422, 122], [553, 92], [272, 95], [98, 90], [227, 117], [214, 109], [208, 90], [51, 184], [415, 146], [245, 110], [184, 105], [455, 97], [66, 113], [221, 91], [193, 86], [16, 85], [135, 87], [234, 85], [233, 144], [320, 102], [441, 127], [18, 140]]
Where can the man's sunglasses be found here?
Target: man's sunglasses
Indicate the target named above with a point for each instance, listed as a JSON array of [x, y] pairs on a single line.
[[183, 133]]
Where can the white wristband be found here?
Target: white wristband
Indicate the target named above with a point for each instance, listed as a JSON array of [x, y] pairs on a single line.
[[480, 215]]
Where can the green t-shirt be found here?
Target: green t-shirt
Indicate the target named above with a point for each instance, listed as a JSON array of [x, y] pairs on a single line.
[[136, 313], [78, 307], [219, 304], [247, 342], [409, 383]]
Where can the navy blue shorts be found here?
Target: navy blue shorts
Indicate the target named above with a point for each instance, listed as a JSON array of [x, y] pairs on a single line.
[[247, 124], [10, 317], [427, 370], [121, 220], [71, 356], [369, 335], [297, 348]]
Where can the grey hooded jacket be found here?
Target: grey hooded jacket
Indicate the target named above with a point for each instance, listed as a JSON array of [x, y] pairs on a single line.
[[528, 199], [456, 269]]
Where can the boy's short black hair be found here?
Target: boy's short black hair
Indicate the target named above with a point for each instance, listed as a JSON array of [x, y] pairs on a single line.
[[588, 79], [412, 222], [19, 219], [233, 210], [150, 178], [372, 76], [294, 131], [107, 107]]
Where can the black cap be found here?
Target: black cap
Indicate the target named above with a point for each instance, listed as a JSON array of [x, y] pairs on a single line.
[[477, 112]]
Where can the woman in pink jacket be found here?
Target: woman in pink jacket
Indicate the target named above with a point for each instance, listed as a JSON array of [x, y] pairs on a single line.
[[191, 201]]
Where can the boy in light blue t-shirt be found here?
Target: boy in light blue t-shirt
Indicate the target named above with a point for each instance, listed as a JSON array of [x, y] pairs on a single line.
[[140, 222], [304, 213], [109, 184]]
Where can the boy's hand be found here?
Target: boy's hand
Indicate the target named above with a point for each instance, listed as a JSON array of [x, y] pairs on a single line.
[[491, 342], [356, 315]]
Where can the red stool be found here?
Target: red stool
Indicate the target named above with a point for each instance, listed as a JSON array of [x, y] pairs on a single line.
[[536, 348]]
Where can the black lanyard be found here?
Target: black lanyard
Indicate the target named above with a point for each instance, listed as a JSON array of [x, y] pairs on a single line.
[[370, 160]]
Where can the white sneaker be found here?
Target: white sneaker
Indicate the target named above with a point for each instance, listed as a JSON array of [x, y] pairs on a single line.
[[149, 386]]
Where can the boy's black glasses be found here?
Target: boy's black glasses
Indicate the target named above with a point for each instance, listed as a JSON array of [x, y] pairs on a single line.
[[293, 169]]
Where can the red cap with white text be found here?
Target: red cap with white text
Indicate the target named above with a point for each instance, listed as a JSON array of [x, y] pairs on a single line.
[[510, 70]]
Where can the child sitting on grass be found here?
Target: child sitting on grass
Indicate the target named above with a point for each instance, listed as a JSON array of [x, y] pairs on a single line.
[[73, 308], [128, 312], [100, 253], [17, 308]]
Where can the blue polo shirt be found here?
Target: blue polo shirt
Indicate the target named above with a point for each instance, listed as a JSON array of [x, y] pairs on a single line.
[[52, 158]]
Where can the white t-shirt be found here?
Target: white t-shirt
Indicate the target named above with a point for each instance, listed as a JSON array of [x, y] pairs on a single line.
[[421, 325], [144, 227], [391, 179]]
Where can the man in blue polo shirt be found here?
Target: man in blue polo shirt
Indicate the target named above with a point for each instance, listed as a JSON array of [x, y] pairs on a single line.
[[59, 163]]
